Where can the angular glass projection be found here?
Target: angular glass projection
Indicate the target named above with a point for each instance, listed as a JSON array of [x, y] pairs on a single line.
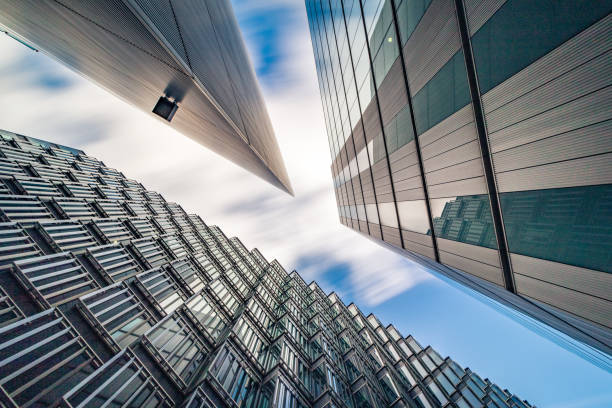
[[188, 319]]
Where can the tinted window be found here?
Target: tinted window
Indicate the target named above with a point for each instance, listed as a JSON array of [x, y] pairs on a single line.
[[522, 31], [443, 95], [568, 225]]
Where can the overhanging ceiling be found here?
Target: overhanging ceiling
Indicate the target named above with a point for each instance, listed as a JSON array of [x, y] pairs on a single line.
[[190, 50]]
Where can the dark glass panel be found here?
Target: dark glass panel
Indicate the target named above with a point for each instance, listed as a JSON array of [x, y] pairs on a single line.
[[567, 225], [464, 219], [522, 31], [443, 95]]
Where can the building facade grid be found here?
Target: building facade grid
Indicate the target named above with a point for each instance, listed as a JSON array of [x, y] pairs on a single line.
[[464, 132], [96, 311]]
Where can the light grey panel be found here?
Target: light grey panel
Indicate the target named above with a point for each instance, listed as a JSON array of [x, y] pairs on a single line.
[[375, 230], [161, 15], [422, 239], [571, 277], [458, 188], [418, 248], [404, 156], [434, 41], [585, 79], [414, 182], [465, 152], [469, 169], [479, 11], [392, 236], [585, 46], [450, 141], [407, 173], [590, 109], [371, 121], [454, 122], [590, 140], [477, 253], [410, 195], [579, 172], [589, 307], [392, 95], [484, 271]]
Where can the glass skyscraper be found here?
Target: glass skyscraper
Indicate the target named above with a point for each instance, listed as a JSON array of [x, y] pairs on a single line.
[[112, 296], [476, 137]]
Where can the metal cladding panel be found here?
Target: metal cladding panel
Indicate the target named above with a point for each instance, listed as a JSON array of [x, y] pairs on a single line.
[[434, 41], [392, 97], [592, 308], [392, 236], [479, 11], [479, 269], [119, 46], [580, 172], [588, 281], [418, 248]]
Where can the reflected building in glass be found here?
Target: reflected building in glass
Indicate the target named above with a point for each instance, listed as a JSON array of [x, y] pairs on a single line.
[[475, 137], [112, 296]]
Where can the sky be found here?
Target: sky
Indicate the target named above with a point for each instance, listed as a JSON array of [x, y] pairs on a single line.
[[41, 98]]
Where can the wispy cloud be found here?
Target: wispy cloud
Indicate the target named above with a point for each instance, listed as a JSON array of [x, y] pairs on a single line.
[[301, 232]]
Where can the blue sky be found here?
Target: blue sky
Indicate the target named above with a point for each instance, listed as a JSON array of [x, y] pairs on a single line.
[[43, 99]]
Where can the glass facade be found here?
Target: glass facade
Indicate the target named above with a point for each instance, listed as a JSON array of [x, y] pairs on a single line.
[[478, 136], [183, 316]]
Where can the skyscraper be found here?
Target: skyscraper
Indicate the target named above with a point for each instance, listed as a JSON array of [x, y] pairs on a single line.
[[112, 296], [182, 60], [475, 137]]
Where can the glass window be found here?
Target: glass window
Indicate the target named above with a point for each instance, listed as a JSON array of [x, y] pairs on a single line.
[[443, 95], [409, 13], [448, 387], [413, 216], [388, 388], [567, 225], [419, 367], [437, 393], [522, 31], [464, 219], [386, 55], [387, 213]]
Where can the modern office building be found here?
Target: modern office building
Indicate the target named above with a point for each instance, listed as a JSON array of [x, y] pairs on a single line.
[[476, 137], [112, 296], [182, 60]]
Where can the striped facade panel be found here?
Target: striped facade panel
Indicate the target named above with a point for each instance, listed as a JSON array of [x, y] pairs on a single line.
[[452, 158], [432, 44], [357, 189], [368, 187], [391, 235], [549, 127], [392, 98], [594, 309], [554, 132], [419, 243], [477, 260], [375, 230], [573, 280], [406, 173], [382, 182]]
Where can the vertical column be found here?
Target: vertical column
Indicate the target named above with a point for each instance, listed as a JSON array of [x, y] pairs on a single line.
[[481, 130]]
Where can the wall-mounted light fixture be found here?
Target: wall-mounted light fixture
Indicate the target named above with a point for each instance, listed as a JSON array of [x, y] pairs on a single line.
[[166, 108]]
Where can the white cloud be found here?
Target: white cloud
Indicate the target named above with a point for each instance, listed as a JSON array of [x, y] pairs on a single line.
[[304, 228]]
